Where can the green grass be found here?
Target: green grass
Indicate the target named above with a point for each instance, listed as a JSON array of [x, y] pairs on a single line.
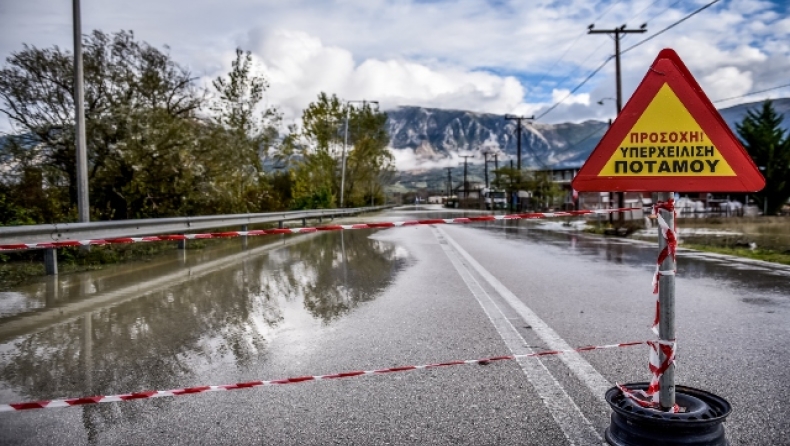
[[23, 267], [19, 268], [767, 255]]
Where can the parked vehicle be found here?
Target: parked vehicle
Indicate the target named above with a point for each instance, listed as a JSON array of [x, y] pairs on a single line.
[[495, 199]]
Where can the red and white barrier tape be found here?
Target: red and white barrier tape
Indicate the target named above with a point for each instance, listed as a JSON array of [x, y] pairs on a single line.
[[51, 404], [650, 396], [175, 237]]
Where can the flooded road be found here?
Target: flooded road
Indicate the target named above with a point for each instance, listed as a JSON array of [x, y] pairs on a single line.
[[362, 299]]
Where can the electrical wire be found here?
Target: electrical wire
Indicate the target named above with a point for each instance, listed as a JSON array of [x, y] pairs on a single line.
[[606, 11], [590, 135], [581, 64], [568, 48], [645, 9], [670, 26], [600, 67], [752, 93], [576, 88]]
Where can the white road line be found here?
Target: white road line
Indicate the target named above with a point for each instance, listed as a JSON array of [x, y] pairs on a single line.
[[597, 384], [570, 419]]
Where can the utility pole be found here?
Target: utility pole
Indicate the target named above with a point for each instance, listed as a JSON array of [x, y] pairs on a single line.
[[83, 205], [466, 184], [618, 34], [485, 163], [518, 120], [510, 195], [496, 169], [345, 144], [449, 182]]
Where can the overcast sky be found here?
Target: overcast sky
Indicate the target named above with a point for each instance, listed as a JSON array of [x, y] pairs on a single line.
[[494, 56]]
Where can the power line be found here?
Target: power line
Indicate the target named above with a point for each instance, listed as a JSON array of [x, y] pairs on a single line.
[[576, 88], [666, 9], [519, 126], [618, 33], [645, 9], [588, 136], [752, 93], [671, 26], [568, 48], [607, 10], [600, 67], [581, 64]]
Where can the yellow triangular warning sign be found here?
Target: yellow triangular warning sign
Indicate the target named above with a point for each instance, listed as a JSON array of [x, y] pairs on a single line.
[[669, 137]]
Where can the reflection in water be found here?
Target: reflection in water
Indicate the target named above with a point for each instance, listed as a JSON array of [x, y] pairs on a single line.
[[734, 275], [224, 318]]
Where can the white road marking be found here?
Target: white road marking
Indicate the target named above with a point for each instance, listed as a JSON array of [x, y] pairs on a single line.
[[597, 384], [570, 419]]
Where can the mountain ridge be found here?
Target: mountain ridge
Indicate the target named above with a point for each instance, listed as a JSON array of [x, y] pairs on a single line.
[[430, 138]]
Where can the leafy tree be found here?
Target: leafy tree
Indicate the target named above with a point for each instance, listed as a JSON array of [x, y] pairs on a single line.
[[769, 147], [545, 192], [242, 136], [140, 108], [157, 144], [369, 164], [316, 176]]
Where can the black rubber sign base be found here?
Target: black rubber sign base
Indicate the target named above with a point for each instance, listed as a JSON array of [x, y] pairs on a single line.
[[700, 422]]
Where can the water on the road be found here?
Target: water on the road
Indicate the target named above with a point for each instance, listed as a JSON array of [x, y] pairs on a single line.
[[174, 321], [222, 314]]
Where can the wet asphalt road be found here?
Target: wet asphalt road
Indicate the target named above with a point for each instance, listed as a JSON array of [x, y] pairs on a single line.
[[333, 302]]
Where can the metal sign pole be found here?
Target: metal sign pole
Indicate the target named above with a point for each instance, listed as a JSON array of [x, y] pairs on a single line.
[[666, 299]]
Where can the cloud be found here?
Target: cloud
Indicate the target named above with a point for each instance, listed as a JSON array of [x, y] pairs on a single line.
[[498, 57], [407, 159], [299, 66], [728, 82]]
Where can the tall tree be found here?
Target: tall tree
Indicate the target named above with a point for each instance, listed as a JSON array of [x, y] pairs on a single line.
[[370, 164], [140, 111], [316, 176], [769, 147], [243, 131]]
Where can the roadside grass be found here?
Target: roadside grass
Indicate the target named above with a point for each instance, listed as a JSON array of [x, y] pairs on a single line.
[[21, 267], [768, 255], [730, 236]]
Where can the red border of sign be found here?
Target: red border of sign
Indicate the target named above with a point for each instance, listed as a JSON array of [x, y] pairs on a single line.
[[668, 68]]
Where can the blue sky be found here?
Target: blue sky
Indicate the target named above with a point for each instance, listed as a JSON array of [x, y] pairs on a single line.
[[487, 56]]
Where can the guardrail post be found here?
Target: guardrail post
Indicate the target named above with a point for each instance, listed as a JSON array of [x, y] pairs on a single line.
[[280, 224], [182, 244], [244, 237], [52, 295], [304, 222], [51, 262]]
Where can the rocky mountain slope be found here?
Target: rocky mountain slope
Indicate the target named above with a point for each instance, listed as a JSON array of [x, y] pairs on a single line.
[[431, 135]]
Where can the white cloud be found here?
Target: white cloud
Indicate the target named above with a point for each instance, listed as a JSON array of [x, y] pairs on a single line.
[[407, 159], [728, 82], [559, 95], [497, 57], [299, 66]]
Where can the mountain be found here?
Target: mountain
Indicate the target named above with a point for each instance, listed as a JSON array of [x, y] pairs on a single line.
[[430, 138]]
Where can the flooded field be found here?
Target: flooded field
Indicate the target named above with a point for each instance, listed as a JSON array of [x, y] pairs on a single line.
[[766, 232]]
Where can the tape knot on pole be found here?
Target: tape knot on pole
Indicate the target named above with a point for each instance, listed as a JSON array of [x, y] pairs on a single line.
[[649, 398]]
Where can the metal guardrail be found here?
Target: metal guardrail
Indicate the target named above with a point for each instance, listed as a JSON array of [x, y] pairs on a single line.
[[159, 226]]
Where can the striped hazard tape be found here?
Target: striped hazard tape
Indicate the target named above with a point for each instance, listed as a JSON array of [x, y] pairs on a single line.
[[70, 402], [661, 348], [381, 225]]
